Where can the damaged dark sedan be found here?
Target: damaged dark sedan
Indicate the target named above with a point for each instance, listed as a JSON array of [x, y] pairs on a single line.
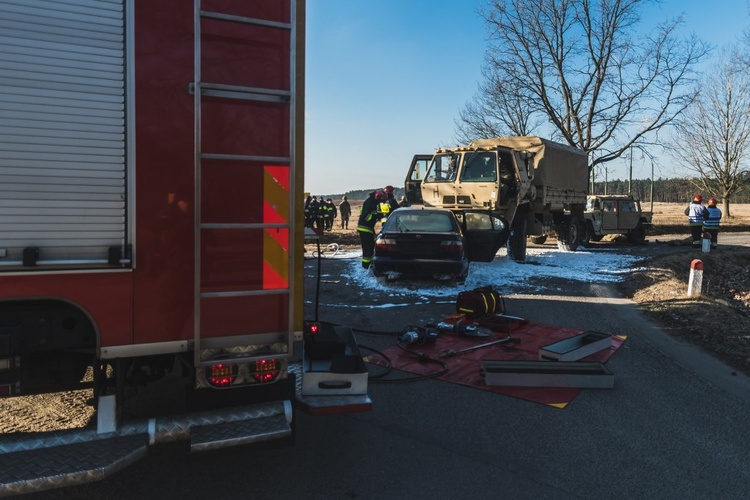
[[435, 243]]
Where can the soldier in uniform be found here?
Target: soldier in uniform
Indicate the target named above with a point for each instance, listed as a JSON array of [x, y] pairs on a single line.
[[345, 210]]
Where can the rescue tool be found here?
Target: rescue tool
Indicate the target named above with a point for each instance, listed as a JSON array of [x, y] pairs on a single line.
[[449, 353]]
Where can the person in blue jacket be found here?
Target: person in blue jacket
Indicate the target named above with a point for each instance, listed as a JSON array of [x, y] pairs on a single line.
[[711, 224], [696, 214]]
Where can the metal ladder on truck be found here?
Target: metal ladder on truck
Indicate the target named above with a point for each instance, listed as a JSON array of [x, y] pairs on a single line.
[[278, 425]]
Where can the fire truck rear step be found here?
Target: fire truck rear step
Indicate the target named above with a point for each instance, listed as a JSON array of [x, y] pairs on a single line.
[[59, 466], [52, 460], [239, 433]]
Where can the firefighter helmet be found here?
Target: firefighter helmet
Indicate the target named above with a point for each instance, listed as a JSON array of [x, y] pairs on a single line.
[[388, 190], [698, 198], [381, 196], [712, 201]]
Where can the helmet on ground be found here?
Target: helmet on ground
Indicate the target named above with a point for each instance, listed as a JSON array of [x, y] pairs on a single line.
[[381, 196], [388, 189], [698, 198], [712, 201]]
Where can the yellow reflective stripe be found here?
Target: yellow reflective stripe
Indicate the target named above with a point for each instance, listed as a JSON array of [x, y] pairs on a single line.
[[365, 229], [366, 259]]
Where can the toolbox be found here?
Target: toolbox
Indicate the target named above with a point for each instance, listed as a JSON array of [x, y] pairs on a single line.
[[577, 347], [332, 364], [530, 373]]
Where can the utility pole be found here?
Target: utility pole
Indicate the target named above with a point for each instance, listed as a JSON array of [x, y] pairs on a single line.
[[630, 176], [652, 185], [605, 180]]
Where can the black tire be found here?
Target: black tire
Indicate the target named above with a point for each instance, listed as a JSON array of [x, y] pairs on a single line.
[[638, 235], [569, 234], [587, 233], [539, 240], [517, 238]]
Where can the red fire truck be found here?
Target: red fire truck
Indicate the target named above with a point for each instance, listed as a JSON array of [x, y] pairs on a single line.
[[151, 173]]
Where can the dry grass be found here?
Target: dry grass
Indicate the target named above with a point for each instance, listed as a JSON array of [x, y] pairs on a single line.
[[670, 214]]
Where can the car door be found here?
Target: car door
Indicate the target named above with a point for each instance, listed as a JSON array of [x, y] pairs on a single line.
[[629, 215], [609, 214], [413, 182], [485, 234]]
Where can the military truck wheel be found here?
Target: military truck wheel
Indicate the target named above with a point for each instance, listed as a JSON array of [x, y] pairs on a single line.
[[539, 240], [637, 236], [569, 234], [517, 238], [587, 231]]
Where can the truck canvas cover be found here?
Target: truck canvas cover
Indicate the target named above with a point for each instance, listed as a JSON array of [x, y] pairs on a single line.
[[554, 164]]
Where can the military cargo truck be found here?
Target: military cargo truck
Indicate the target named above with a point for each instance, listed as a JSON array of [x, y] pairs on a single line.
[[538, 186]]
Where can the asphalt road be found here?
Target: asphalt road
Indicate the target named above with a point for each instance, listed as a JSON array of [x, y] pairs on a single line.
[[674, 426]]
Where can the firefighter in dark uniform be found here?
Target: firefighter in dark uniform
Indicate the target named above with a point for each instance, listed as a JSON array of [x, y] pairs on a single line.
[[308, 217], [330, 213], [315, 219], [370, 215], [320, 215], [711, 224], [696, 214], [391, 199]]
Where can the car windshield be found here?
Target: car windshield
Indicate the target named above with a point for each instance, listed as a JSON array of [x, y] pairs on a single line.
[[420, 222], [442, 169]]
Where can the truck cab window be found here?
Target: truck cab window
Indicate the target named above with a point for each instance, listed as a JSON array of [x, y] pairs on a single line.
[[442, 169], [419, 169], [479, 167]]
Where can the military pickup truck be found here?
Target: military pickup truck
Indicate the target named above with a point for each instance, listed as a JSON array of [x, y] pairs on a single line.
[[614, 214]]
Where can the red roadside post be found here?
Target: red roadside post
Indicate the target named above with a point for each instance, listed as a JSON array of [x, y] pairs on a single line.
[[696, 278]]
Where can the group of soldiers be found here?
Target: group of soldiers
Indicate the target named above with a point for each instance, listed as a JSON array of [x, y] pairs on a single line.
[[319, 213]]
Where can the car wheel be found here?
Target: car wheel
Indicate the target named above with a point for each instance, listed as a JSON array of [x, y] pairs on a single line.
[[569, 234], [638, 235]]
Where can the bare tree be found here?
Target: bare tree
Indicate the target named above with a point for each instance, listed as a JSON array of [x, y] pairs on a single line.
[[714, 133], [584, 69], [497, 110]]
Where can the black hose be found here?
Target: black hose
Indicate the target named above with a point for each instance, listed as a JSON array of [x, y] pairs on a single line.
[[317, 284]]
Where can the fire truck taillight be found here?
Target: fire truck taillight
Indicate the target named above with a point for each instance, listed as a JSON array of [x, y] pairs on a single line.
[[312, 328], [265, 370], [221, 375]]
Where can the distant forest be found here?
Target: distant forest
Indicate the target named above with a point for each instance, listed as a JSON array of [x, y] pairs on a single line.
[[665, 190]]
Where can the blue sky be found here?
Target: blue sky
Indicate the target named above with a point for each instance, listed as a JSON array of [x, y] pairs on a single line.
[[386, 79]]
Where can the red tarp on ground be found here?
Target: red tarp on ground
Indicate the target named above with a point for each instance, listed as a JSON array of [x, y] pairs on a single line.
[[464, 368]]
